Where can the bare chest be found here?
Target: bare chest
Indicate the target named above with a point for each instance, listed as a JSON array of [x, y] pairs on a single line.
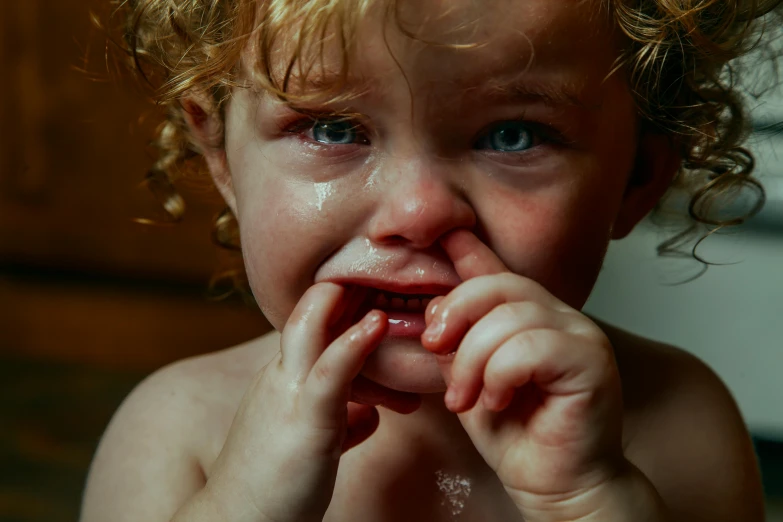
[[406, 484], [442, 496], [403, 486], [400, 475]]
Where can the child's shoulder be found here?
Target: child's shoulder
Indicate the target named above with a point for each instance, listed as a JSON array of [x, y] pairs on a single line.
[[168, 430], [659, 378], [197, 386], [204, 390], [681, 422], [653, 372]]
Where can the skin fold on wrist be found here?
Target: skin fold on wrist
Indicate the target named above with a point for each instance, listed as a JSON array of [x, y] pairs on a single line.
[[628, 496]]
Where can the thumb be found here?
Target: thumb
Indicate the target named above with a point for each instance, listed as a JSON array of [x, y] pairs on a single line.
[[471, 257]]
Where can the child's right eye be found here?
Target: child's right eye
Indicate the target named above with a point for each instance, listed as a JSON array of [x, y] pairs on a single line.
[[338, 131], [334, 133]]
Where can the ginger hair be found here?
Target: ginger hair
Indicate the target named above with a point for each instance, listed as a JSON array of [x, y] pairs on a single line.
[[678, 57]]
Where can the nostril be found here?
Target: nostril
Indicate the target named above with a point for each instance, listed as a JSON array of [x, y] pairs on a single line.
[[418, 212]]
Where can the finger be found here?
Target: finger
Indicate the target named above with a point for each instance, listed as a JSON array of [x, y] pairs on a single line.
[[329, 382], [339, 310], [556, 362], [487, 336], [471, 257], [432, 308], [370, 393], [353, 300], [497, 403], [472, 300], [306, 333], [362, 422]]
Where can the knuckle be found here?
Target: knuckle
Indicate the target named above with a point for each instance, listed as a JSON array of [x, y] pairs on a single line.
[[509, 278], [319, 388], [527, 313], [534, 341], [507, 311], [520, 339], [532, 311], [493, 371], [322, 373], [512, 280], [322, 378]]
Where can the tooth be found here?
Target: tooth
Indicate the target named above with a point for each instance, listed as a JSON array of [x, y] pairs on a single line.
[[413, 304], [381, 301], [425, 302], [397, 302]]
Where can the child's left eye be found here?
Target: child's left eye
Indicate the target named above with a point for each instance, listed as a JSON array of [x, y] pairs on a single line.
[[510, 136]]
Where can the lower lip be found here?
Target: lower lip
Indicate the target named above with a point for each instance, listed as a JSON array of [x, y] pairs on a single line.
[[405, 324]]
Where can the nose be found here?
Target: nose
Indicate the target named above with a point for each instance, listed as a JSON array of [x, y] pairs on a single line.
[[418, 203]]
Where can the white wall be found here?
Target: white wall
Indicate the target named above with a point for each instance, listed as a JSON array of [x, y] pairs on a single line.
[[732, 316]]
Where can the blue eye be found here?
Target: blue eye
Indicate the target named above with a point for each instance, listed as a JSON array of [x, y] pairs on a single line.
[[512, 136], [336, 132]]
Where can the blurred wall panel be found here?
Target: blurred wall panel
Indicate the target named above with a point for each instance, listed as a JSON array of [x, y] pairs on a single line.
[[73, 153]]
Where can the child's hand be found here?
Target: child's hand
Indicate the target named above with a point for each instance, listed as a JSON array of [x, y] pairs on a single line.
[[280, 459], [534, 381]]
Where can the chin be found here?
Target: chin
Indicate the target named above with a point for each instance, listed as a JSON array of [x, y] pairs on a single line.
[[402, 364]]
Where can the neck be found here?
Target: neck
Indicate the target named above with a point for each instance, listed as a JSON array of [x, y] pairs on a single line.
[[431, 432]]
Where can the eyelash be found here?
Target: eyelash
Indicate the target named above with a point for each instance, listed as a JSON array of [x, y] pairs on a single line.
[[542, 134], [301, 123]]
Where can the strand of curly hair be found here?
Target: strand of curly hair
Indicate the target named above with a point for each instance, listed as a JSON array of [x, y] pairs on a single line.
[[678, 57]]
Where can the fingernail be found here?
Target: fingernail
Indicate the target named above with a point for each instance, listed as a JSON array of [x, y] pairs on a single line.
[[434, 331], [373, 318]]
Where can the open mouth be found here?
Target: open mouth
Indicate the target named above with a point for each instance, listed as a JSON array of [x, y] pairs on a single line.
[[391, 301], [405, 311]]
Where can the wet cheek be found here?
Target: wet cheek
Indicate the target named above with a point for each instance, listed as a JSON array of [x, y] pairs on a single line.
[[531, 240], [551, 244], [264, 248], [287, 230]]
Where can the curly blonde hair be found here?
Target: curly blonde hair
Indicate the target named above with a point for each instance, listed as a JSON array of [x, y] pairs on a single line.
[[677, 55]]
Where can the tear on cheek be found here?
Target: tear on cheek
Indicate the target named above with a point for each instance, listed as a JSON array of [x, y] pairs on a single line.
[[323, 191]]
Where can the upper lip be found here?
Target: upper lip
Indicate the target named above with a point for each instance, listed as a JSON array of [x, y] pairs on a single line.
[[395, 286]]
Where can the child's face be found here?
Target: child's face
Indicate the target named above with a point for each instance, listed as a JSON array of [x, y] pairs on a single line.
[[520, 139]]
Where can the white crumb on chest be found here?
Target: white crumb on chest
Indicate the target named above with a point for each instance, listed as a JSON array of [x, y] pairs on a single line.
[[455, 490]]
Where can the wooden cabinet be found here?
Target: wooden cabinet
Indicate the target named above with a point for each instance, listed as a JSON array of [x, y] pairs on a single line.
[[75, 270]]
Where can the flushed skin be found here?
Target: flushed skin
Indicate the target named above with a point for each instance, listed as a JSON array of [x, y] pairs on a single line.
[[428, 192]]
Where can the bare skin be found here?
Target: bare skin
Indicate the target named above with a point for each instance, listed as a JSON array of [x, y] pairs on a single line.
[[392, 475], [526, 150]]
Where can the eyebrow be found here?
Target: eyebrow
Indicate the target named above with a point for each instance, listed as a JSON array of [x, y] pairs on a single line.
[[350, 86], [523, 90]]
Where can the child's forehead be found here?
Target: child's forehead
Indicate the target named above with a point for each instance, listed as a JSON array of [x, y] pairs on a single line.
[[476, 48]]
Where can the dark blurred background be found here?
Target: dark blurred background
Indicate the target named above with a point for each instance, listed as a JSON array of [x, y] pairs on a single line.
[[91, 302]]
